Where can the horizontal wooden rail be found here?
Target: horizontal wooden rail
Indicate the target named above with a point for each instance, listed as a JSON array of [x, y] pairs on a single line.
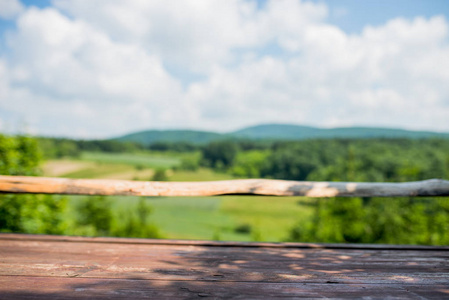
[[45, 185]]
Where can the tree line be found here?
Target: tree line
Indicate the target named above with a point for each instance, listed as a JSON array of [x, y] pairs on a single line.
[[369, 160], [64, 147]]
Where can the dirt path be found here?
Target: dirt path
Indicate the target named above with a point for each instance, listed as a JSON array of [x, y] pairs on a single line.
[[61, 167]]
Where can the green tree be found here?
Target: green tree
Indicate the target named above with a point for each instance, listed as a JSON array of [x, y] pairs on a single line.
[[27, 213], [94, 216], [136, 223], [376, 220], [371, 220], [249, 163], [219, 155], [160, 175]]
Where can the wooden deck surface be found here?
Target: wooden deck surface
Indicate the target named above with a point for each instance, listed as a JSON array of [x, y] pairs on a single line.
[[50, 267]]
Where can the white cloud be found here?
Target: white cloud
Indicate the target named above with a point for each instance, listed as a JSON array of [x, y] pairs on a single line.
[[386, 76], [196, 34], [191, 34], [95, 69], [9, 9], [68, 59], [63, 63]]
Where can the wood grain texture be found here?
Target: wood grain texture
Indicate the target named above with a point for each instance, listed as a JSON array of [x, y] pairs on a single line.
[[46, 185], [51, 267]]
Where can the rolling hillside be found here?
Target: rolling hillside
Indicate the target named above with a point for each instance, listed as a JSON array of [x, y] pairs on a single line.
[[150, 136], [275, 132], [297, 132]]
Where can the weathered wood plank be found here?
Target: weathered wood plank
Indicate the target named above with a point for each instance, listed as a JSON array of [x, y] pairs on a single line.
[[128, 241], [96, 288], [71, 267], [43, 185]]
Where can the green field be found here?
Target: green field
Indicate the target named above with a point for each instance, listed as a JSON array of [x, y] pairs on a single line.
[[218, 218], [133, 159], [265, 218], [199, 175], [237, 218]]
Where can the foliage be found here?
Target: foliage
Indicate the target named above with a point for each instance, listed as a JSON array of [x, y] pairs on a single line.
[[32, 214], [49, 214], [27, 213], [172, 146], [160, 175], [135, 223], [376, 220], [243, 228], [359, 160], [96, 218], [220, 155], [19, 156], [189, 164], [63, 147], [94, 213], [249, 163]]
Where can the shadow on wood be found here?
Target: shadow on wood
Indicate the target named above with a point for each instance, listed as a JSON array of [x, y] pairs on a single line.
[[65, 267]]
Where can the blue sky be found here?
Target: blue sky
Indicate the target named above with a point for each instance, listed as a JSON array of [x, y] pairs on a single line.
[[377, 12], [101, 69], [353, 15]]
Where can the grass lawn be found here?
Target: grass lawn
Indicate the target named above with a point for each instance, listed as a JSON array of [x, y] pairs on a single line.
[[192, 218], [98, 171], [147, 160], [270, 218], [60, 167], [128, 166], [201, 174], [217, 218]]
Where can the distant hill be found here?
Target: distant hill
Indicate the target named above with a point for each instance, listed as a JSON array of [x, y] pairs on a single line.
[[297, 132], [275, 132], [150, 136]]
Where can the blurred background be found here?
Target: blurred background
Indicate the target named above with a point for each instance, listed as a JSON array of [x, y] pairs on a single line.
[[338, 90]]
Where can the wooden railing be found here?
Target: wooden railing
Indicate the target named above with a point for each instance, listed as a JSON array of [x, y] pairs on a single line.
[[46, 185]]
